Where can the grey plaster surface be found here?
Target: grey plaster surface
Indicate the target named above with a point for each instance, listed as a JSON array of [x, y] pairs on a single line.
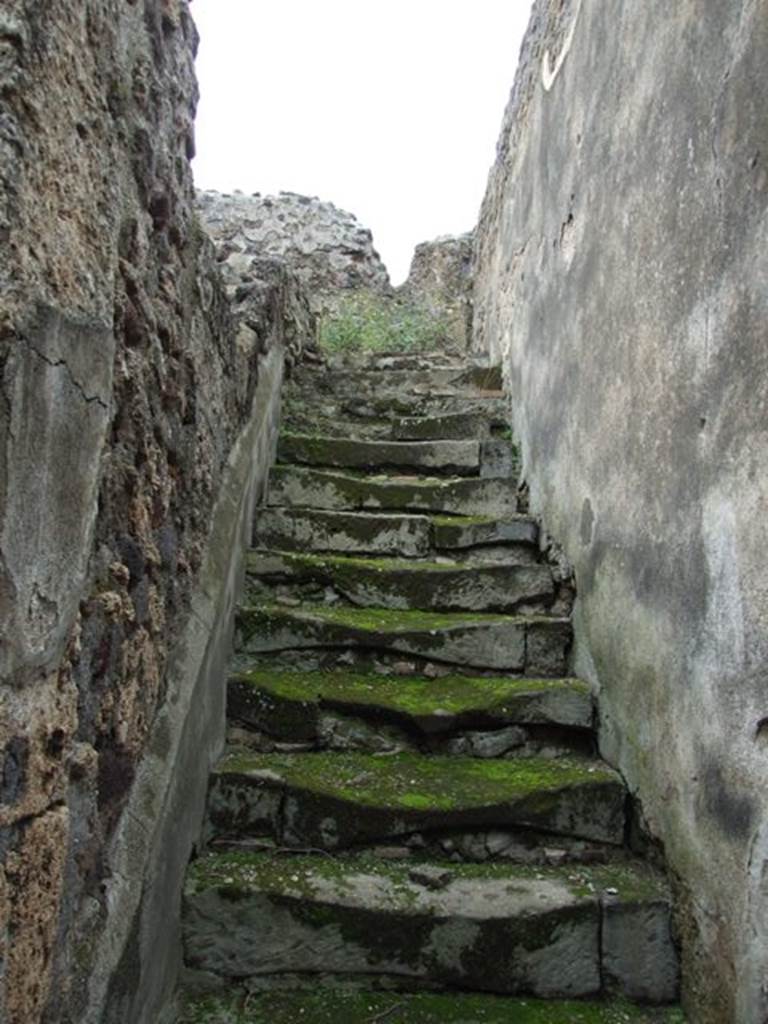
[[622, 277], [57, 382]]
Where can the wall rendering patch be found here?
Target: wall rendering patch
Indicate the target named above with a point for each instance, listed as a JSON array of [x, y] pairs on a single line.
[[549, 72]]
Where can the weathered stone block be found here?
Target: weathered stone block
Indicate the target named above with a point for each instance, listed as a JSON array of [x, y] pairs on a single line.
[[288, 704], [460, 458], [454, 426], [640, 960], [504, 933], [457, 532], [425, 586], [490, 642], [300, 486], [343, 532], [341, 800]]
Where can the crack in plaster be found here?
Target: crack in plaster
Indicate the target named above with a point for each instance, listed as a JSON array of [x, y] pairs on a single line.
[[62, 363]]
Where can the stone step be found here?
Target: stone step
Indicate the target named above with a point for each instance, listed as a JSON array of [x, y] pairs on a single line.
[[454, 426], [299, 486], [457, 458], [500, 458], [552, 933], [361, 533], [410, 536], [396, 361], [335, 801], [320, 1004], [490, 406], [304, 415], [534, 645], [356, 381], [454, 533], [400, 584], [301, 418], [479, 717]]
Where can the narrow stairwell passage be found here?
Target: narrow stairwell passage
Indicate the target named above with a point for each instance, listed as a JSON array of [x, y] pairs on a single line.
[[411, 822]]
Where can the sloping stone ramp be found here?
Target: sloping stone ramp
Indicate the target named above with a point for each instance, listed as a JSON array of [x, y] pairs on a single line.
[[410, 822]]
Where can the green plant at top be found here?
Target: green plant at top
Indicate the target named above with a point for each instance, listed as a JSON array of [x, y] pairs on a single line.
[[376, 323]]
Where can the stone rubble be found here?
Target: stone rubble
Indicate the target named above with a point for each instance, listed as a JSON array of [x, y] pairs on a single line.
[[440, 281], [330, 252]]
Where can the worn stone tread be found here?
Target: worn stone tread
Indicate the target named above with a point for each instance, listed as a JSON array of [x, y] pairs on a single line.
[[408, 535], [365, 533], [325, 489], [416, 585], [460, 458], [325, 1005], [329, 800], [535, 644], [328, 421], [354, 380], [458, 532], [288, 704], [386, 362], [491, 407], [490, 928], [373, 417], [453, 426]]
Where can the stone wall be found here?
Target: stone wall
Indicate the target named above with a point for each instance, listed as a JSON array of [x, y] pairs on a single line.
[[136, 425], [622, 265], [440, 283], [327, 247]]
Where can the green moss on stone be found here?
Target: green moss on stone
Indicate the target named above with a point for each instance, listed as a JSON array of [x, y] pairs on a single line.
[[439, 783], [264, 618], [298, 874], [419, 802], [460, 521], [409, 695], [333, 1006], [350, 563]]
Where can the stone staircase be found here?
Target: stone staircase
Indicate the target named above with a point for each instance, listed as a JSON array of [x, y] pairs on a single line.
[[410, 822]]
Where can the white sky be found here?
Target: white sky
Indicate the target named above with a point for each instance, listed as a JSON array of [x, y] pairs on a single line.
[[390, 110]]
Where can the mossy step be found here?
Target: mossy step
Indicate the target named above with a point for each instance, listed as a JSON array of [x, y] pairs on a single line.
[[335, 801], [535, 645], [500, 929], [300, 486], [453, 426], [324, 1005], [343, 532], [289, 705], [398, 584]]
